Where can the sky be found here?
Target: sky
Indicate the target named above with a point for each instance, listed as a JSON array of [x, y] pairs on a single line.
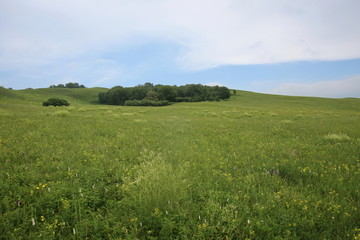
[[297, 47]]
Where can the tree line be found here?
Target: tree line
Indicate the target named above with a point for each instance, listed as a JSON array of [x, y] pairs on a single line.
[[149, 94], [68, 85]]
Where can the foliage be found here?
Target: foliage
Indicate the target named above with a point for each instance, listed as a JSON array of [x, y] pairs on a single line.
[[56, 102], [166, 93], [68, 85], [254, 167], [151, 95], [188, 93]]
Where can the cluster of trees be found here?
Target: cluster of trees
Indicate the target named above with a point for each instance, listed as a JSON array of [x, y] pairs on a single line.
[[68, 85], [152, 95], [56, 102]]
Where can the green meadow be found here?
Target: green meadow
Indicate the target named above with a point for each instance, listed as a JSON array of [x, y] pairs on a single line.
[[255, 166]]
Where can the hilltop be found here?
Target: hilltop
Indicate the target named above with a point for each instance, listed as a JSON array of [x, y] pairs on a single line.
[[246, 99], [37, 96]]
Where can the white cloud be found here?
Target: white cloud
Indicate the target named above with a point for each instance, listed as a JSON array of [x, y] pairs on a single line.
[[99, 72], [211, 32], [349, 87]]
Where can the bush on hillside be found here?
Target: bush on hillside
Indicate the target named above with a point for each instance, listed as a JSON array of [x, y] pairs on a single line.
[[56, 102]]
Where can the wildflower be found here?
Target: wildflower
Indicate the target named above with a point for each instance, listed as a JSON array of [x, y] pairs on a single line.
[[202, 225], [33, 221], [156, 212]]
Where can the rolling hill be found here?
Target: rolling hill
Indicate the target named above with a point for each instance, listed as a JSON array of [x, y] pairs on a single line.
[[256, 166]]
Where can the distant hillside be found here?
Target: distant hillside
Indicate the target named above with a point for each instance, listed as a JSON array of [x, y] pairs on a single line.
[[245, 99], [282, 102], [37, 96]]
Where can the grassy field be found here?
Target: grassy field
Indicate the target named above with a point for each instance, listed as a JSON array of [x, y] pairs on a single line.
[[253, 167]]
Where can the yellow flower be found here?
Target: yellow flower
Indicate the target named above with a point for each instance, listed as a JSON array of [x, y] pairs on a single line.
[[202, 225], [156, 212]]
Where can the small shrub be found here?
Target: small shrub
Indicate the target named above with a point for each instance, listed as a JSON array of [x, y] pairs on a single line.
[[56, 102]]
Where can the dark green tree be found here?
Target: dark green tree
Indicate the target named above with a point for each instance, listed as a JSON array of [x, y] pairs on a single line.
[[151, 95], [165, 92], [118, 95], [138, 92]]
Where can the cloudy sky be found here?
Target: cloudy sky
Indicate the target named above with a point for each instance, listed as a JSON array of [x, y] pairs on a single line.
[[298, 47]]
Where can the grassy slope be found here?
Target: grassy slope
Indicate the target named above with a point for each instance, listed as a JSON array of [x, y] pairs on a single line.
[[257, 166], [248, 99], [37, 96]]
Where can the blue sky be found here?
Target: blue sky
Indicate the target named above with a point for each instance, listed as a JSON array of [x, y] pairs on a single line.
[[299, 47]]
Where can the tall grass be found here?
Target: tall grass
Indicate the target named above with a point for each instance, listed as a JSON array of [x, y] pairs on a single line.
[[254, 167]]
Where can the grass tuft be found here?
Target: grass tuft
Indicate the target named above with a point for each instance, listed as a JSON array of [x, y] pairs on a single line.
[[337, 137]]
